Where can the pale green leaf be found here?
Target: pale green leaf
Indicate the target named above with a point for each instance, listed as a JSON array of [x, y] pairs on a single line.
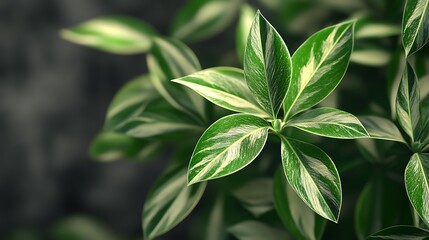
[[369, 29], [313, 176], [400, 233], [267, 65], [417, 184], [253, 230], [329, 122], [381, 128], [300, 221], [114, 34], [228, 145], [318, 67], [371, 57], [247, 14], [256, 195], [415, 25], [225, 87], [169, 201]]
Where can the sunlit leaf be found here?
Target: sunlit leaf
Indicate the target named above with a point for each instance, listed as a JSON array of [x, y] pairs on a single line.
[[169, 201], [400, 233], [267, 65], [253, 230], [228, 145], [114, 34], [247, 13], [415, 25], [381, 128]]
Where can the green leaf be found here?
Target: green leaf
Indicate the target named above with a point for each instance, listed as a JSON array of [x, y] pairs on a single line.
[[267, 65], [371, 57], [381, 128], [228, 145], [109, 146], [130, 101], [256, 195], [253, 230], [216, 229], [169, 201], [408, 103], [81, 228], [329, 122], [247, 14], [318, 67], [300, 221], [395, 70], [225, 87], [415, 25], [113, 34], [371, 29], [313, 176], [401, 233], [172, 59], [196, 22], [417, 184]]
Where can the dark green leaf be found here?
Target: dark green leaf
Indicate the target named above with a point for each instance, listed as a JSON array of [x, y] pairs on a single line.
[[169, 201], [267, 65], [313, 176], [381, 128], [253, 230], [228, 145], [329, 122], [415, 25], [114, 34], [247, 14], [401, 233], [300, 221], [394, 74], [318, 66]]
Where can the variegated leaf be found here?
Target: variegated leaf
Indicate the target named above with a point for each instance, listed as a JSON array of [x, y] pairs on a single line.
[[169, 201], [247, 14], [228, 145], [415, 25], [225, 87], [267, 65], [417, 184], [300, 221], [172, 59], [381, 128], [400, 232], [114, 34], [318, 66], [408, 103], [313, 176], [329, 122], [254, 230]]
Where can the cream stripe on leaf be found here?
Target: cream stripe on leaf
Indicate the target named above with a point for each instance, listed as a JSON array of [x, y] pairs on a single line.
[[228, 145], [381, 128], [169, 201], [267, 65], [318, 66], [225, 87], [313, 176], [417, 184], [415, 25], [329, 122]]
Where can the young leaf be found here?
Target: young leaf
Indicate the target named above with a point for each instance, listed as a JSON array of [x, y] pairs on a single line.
[[400, 233], [228, 145], [415, 25], [318, 66], [267, 65], [225, 87], [247, 14], [114, 34], [408, 103], [313, 176], [253, 230], [381, 128], [329, 122], [300, 221], [417, 184], [169, 201], [172, 59]]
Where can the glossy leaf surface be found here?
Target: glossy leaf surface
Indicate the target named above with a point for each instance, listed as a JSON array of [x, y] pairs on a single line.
[[401, 233], [254, 230], [381, 128], [415, 25], [227, 146]]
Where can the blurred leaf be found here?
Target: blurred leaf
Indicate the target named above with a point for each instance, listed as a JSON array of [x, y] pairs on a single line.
[[168, 202], [370, 57], [109, 146], [198, 21], [253, 230], [371, 29], [247, 14], [256, 195], [81, 228], [321, 60], [216, 222], [394, 74], [381, 128], [114, 34], [227, 146], [300, 221], [401, 233], [267, 65], [415, 25]]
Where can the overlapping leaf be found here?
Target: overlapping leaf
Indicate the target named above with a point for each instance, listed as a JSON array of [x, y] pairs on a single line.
[[318, 66], [415, 25], [169, 201], [267, 65], [329, 122], [400, 233], [114, 34], [227, 146], [225, 87], [314, 177], [381, 128], [254, 230]]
